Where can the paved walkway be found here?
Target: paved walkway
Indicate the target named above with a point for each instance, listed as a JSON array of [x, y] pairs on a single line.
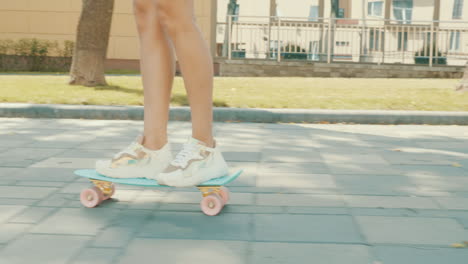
[[311, 194]]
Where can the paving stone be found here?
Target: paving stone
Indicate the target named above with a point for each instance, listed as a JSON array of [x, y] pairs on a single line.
[[179, 207], [58, 200], [300, 200], [44, 174], [418, 158], [32, 215], [286, 155], [85, 221], [426, 182], [182, 225], [412, 230], [433, 170], [252, 209], [386, 211], [41, 183], [463, 222], [5, 173], [87, 153], [317, 210], [374, 184], [14, 143], [96, 255], [17, 201], [294, 180], [57, 250], [390, 202], [75, 163], [25, 192], [130, 218], [354, 158], [78, 186], [26, 156], [113, 143], [362, 169], [426, 255], [306, 228], [7, 182], [55, 143], [9, 231], [266, 253], [455, 203], [145, 250], [443, 213], [315, 168], [114, 237], [241, 156], [196, 197]]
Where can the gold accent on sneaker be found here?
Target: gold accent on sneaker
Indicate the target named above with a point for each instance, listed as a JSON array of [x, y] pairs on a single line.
[[126, 158]]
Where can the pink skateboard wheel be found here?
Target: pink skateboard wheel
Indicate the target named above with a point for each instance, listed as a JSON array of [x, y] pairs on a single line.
[[91, 197], [225, 194], [211, 204]]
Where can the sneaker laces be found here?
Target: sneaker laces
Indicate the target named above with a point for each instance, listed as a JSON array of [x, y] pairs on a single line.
[[182, 158]]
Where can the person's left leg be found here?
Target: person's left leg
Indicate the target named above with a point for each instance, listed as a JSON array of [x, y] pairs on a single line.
[[196, 64]]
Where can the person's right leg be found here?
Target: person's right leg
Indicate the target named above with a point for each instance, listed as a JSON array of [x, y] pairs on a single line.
[[157, 66], [149, 153]]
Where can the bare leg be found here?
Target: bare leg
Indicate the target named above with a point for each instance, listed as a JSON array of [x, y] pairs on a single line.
[[157, 65], [178, 19]]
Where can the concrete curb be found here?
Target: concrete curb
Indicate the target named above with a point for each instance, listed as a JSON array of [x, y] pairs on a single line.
[[223, 114]]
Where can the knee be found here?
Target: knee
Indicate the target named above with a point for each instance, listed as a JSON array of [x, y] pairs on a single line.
[[143, 9], [174, 16]]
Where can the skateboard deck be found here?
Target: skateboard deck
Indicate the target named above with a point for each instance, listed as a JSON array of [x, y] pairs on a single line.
[[93, 174], [215, 194]]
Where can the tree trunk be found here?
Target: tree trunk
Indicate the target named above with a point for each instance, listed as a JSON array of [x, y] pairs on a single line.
[[92, 39], [462, 86]]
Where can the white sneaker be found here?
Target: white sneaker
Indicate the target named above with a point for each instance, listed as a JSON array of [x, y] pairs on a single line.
[[136, 161], [194, 164]]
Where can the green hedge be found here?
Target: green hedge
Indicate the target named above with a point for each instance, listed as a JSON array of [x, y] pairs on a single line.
[[32, 54]]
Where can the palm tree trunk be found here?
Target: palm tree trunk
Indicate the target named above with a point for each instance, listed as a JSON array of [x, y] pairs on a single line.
[[92, 39], [462, 86]]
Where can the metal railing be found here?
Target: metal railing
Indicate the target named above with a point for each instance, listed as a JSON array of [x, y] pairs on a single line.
[[337, 39]]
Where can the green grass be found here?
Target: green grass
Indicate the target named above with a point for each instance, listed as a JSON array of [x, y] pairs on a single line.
[[258, 92]]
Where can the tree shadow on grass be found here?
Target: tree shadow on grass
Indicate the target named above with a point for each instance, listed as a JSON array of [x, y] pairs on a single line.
[[179, 99], [182, 99], [118, 88]]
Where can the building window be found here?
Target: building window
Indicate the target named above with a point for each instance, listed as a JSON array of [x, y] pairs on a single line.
[[341, 13], [313, 13], [402, 41], [403, 11], [457, 9], [375, 8], [236, 14], [375, 42], [455, 40]]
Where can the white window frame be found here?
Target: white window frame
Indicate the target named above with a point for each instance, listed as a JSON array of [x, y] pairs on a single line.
[[370, 8]]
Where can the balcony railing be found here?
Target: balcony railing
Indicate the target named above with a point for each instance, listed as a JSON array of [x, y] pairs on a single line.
[[337, 40]]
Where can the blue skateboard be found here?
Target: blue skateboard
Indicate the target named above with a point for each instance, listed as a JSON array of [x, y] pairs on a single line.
[[215, 194]]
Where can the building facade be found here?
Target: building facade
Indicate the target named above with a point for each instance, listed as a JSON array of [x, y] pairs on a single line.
[[58, 19], [379, 31]]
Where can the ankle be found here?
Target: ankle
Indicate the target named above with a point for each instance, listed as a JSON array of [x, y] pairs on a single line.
[[153, 144], [208, 142]]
